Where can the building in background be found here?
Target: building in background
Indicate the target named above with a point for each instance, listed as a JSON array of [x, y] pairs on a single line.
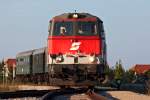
[[141, 69], [10, 68], [142, 72]]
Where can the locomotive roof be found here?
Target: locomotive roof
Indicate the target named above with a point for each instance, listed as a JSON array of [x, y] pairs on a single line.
[[82, 15], [40, 50], [25, 53]]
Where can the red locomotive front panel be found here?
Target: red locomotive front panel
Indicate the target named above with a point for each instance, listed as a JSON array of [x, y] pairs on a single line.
[[75, 35], [74, 45]]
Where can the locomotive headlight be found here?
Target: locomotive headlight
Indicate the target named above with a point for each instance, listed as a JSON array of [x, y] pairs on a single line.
[[75, 15], [59, 59], [92, 58]]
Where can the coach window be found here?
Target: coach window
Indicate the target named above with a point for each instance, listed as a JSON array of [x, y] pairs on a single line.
[[21, 59], [28, 60], [37, 59], [17, 60]]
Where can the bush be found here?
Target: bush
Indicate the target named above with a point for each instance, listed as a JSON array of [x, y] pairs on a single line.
[[148, 86]]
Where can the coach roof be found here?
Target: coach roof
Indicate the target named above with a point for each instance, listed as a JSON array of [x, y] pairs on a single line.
[[40, 50], [25, 53]]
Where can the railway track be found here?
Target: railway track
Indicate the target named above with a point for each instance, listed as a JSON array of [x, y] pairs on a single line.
[[50, 94], [23, 93]]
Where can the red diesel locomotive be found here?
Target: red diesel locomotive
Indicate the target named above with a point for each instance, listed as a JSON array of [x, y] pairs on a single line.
[[76, 49]]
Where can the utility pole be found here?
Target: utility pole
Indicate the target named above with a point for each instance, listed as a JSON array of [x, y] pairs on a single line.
[[3, 72], [6, 72], [3, 76], [14, 71]]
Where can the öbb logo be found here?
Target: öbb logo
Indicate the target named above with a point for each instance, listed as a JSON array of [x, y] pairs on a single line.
[[75, 45]]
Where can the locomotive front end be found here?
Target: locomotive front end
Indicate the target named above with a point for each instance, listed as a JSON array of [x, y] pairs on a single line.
[[76, 49]]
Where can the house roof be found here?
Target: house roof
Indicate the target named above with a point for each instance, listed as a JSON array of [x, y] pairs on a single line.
[[141, 68], [11, 62]]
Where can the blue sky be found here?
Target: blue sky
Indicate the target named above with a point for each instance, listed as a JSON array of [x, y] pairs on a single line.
[[24, 25]]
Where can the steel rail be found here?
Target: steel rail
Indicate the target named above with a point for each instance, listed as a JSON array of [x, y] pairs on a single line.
[[51, 94]]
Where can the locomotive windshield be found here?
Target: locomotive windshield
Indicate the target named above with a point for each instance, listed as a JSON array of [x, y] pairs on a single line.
[[86, 28], [63, 28], [79, 28]]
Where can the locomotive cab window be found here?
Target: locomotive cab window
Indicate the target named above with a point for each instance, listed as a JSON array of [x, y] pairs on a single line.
[[63, 28], [50, 28], [87, 28], [101, 29]]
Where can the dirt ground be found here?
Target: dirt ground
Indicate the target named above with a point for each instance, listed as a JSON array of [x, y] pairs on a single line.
[[112, 95], [127, 95]]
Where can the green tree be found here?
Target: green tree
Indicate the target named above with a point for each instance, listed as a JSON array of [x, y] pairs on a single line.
[[129, 76], [119, 71], [1, 66], [109, 73], [147, 73]]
